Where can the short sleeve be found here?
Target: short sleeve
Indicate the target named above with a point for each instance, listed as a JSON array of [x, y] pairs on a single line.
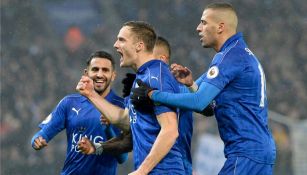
[[225, 69]]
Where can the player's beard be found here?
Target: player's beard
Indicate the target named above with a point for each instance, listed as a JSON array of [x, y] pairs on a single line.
[[100, 90]]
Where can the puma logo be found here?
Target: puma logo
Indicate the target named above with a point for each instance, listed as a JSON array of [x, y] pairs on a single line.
[[77, 111], [152, 77]]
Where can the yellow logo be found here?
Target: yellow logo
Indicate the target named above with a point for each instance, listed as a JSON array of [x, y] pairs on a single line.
[[213, 72]]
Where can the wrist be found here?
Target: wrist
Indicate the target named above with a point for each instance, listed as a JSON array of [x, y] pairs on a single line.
[[92, 95], [98, 148], [193, 87], [142, 171], [150, 93]]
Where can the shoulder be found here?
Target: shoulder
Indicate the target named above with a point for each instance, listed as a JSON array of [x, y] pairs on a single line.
[[158, 67], [158, 72], [72, 98], [115, 99], [234, 55]]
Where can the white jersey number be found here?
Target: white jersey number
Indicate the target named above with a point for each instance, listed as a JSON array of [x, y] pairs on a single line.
[[263, 86]]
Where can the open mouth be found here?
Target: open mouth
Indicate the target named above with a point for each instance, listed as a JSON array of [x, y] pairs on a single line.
[[120, 53]]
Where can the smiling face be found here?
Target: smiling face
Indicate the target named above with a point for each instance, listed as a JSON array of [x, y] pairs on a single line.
[[125, 45], [100, 70], [208, 29]]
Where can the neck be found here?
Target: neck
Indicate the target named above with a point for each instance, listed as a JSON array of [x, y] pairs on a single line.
[[106, 92], [143, 58], [222, 40]]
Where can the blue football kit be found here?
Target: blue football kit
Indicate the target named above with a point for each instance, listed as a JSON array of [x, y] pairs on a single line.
[[80, 118], [236, 82], [144, 124], [185, 127]]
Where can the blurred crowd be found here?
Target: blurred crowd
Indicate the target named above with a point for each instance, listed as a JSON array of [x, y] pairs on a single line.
[[43, 54]]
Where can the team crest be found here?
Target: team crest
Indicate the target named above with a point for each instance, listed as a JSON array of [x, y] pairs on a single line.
[[212, 72]]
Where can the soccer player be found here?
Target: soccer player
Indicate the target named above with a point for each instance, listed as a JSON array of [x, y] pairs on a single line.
[[79, 117], [162, 50], [236, 81], [154, 128], [122, 144]]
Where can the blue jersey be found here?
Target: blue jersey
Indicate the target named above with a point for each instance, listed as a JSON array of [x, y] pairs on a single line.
[[144, 124], [185, 127], [241, 107], [79, 117]]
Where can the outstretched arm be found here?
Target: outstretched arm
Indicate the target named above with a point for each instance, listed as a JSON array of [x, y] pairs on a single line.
[[184, 76], [117, 146], [197, 101]]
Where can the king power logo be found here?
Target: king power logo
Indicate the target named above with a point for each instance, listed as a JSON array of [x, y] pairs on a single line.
[[76, 137]]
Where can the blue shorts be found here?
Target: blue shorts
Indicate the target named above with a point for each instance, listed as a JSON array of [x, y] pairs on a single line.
[[245, 166]]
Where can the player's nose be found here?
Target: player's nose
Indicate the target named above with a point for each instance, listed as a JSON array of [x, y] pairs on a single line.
[[115, 45]]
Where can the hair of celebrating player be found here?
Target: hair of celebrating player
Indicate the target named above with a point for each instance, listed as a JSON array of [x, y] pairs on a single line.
[[143, 32]]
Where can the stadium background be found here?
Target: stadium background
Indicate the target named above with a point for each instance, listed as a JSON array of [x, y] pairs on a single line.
[[44, 45]]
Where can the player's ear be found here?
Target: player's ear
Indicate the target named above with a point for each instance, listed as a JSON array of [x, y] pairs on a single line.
[[139, 46], [85, 72], [114, 74], [221, 27], [164, 59]]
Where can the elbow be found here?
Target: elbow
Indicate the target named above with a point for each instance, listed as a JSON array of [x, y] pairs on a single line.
[[173, 134], [119, 118], [170, 134], [199, 108], [201, 105]]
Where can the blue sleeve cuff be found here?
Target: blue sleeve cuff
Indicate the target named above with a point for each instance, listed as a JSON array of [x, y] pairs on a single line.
[[39, 133]]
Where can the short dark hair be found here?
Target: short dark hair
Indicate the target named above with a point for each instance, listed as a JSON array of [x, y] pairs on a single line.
[[220, 5], [144, 32], [164, 43], [101, 54]]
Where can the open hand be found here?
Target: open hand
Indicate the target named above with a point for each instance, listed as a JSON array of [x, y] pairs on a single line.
[[182, 74]]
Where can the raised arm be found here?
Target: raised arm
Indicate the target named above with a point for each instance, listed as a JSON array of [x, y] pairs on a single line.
[[117, 146], [117, 116]]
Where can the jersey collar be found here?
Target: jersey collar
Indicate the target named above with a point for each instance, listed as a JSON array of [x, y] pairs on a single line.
[[230, 40], [148, 64], [108, 97]]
